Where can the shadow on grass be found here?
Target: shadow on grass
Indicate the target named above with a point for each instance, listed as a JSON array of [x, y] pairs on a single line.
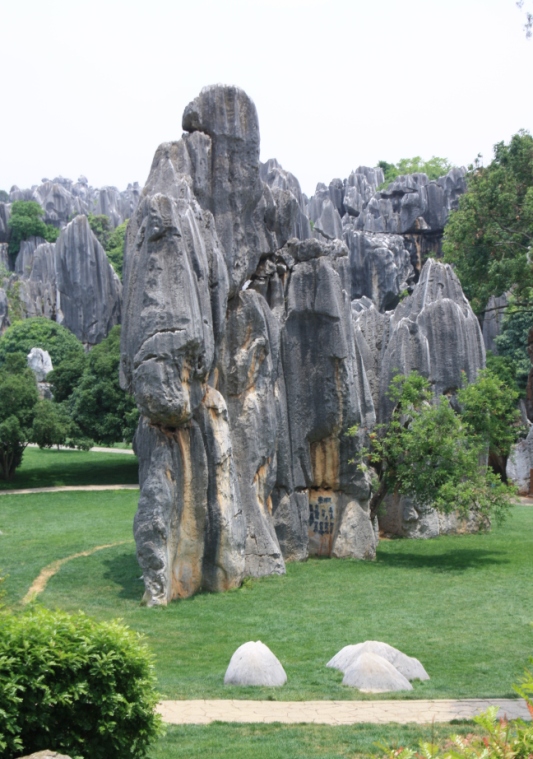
[[457, 560], [124, 571]]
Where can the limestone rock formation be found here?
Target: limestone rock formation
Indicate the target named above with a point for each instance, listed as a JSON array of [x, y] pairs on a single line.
[[371, 673], [253, 663], [408, 666], [70, 281], [434, 331], [40, 363], [62, 199], [253, 343], [239, 348]]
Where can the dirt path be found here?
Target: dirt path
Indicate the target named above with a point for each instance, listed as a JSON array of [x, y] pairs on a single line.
[[336, 712], [49, 571]]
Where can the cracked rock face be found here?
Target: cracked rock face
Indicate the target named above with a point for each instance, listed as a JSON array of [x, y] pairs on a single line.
[[255, 345]]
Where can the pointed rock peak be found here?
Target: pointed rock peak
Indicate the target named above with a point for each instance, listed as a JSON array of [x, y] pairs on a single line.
[[223, 111]]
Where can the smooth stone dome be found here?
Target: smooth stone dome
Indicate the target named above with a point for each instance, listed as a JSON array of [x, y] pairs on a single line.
[[371, 673], [253, 663], [408, 666]]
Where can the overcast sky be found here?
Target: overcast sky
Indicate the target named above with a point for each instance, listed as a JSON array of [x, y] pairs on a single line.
[[93, 87]]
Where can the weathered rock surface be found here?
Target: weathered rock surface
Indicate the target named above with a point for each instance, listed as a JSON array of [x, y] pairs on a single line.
[[62, 199], [70, 281], [420, 334], [253, 663], [40, 363], [408, 666], [404, 517], [46, 754], [520, 464], [371, 673], [250, 360]]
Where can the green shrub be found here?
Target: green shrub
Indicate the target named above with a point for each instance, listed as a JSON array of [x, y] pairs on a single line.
[[81, 687], [26, 221], [39, 332]]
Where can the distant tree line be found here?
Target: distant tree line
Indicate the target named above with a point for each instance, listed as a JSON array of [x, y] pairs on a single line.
[[88, 405]]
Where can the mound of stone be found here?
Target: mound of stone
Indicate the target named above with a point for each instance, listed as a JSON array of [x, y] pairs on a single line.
[[253, 663], [371, 673], [408, 666]]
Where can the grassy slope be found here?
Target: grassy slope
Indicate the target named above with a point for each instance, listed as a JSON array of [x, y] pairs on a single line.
[[50, 468], [463, 605]]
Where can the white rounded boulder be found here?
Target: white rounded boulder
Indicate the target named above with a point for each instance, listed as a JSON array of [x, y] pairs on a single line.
[[371, 673], [253, 663], [408, 666]]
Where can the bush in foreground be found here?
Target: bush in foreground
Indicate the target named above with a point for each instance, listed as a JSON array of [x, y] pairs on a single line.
[[499, 738], [81, 687]]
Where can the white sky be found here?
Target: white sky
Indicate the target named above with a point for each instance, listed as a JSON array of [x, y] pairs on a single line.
[[92, 87]]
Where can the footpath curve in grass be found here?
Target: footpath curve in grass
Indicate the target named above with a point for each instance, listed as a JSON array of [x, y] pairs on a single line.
[[39, 584]]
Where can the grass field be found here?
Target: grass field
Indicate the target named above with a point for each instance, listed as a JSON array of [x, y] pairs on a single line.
[[463, 604], [233, 741], [52, 468]]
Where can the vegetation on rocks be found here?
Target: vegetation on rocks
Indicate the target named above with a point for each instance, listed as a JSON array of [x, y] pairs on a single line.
[[429, 452], [111, 240], [26, 221], [434, 168]]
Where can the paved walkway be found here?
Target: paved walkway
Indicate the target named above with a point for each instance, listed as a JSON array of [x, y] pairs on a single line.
[[335, 712], [97, 449], [67, 488]]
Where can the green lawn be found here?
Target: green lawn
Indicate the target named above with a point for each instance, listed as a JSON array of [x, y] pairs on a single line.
[[51, 468], [232, 741], [463, 605]]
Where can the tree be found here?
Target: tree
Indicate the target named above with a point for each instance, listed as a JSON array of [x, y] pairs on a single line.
[[429, 452], [115, 249], [100, 227], [111, 240], [4, 197], [39, 332], [98, 405], [51, 424], [434, 168], [66, 375], [26, 221], [512, 342], [488, 406], [18, 391], [489, 237]]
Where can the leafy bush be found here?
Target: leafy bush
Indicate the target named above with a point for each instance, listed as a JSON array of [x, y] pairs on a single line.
[[499, 737], [84, 687], [39, 332], [26, 221]]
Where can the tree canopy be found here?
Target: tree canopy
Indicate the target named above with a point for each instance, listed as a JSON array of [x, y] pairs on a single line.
[[429, 452], [39, 332], [434, 168], [18, 391], [25, 221], [111, 240], [488, 239], [98, 406]]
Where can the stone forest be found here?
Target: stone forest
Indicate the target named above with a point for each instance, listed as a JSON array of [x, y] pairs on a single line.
[[260, 334]]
